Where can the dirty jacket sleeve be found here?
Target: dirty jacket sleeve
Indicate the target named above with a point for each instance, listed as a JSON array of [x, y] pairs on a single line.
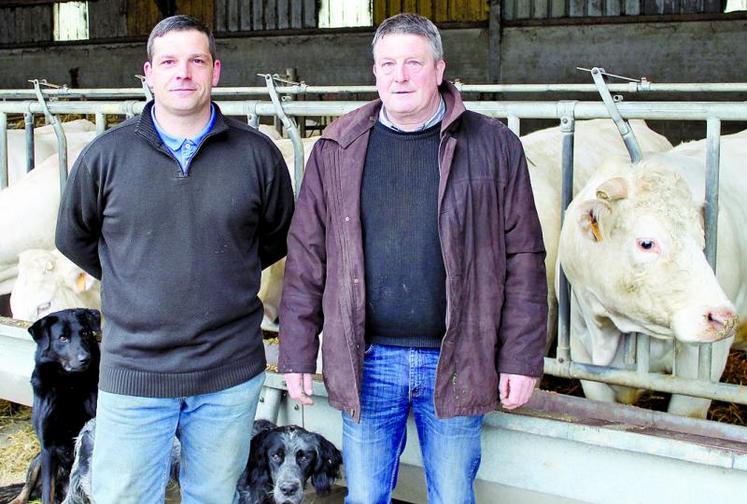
[[301, 316], [79, 219], [523, 328]]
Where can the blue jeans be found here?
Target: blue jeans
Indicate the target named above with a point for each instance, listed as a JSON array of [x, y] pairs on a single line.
[[131, 456], [396, 380]]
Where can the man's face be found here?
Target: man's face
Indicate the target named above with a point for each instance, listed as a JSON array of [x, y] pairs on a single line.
[[182, 73], [407, 78]]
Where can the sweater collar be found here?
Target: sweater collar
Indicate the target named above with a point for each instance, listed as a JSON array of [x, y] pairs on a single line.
[[147, 129]]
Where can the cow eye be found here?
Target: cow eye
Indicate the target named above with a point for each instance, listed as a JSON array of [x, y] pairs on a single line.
[[647, 245]]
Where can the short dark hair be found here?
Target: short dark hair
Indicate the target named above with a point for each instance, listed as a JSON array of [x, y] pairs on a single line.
[[411, 24], [180, 23]]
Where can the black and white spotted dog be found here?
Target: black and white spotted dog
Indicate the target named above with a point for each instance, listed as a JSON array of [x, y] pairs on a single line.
[[281, 461]]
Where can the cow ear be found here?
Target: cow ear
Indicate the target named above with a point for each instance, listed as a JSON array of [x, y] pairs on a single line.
[[613, 189], [590, 216], [84, 282]]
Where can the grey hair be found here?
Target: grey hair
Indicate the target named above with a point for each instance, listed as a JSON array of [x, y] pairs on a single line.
[[411, 24], [180, 23]]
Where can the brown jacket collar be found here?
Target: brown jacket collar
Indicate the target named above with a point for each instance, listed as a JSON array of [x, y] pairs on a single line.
[[352, 125]]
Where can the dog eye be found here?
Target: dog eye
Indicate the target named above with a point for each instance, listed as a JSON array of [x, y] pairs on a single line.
[[64, 339], [276, 457]]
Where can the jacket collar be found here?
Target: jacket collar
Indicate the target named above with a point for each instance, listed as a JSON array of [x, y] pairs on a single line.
[[354, 124], [147, 129]]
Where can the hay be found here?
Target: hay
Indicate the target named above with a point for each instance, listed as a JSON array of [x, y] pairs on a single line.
[[18, 443]]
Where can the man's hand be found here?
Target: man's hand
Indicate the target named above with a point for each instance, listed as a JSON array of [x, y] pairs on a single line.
[[515, 390], [299, 387]]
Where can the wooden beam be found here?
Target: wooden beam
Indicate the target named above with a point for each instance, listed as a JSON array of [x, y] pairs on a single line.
[[494, 40]]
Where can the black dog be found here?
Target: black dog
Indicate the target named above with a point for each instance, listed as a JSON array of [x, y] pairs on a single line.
[[282, 459], [65, 383]]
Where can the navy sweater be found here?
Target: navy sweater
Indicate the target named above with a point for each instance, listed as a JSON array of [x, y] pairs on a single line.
[[405, 275], [179, 257]]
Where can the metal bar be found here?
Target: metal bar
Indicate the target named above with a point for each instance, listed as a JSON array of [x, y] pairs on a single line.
[[514, 124], [4, 174], [622, 125], [687, 111], [643, 353], [661, 382], [631, 349], [100, 123], [59, 132], [290, 126], [633, 87], [713, 151], [705, 360], [28, 123], [566, 111]]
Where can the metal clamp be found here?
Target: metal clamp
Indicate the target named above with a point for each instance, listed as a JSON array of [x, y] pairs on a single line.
[[290, 126], [58, 131], [623, 127]]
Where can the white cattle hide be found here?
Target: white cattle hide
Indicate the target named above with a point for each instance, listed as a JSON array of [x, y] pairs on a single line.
[[48, 282], [595, 141], [77, 134], [631, 246]]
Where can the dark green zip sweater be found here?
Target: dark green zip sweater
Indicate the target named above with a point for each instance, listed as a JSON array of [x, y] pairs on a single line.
[[179, 257]]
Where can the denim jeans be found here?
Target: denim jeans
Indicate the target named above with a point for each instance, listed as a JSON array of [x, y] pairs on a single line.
[[395, 381], [131, 456]]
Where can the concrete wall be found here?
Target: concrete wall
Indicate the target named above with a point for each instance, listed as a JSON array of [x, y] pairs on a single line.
[[320, 59], [665, 52]]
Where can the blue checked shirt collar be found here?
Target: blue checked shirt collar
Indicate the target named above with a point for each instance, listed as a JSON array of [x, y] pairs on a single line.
[[183, 149]]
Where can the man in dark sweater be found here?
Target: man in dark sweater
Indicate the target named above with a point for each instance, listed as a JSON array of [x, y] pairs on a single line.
[[417, 249], [177, 211]]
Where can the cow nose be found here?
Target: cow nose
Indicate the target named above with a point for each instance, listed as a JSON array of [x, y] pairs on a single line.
[[722, 320], [289, 489]]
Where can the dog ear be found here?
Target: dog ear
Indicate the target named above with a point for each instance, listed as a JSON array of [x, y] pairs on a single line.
[[93, 317], [40, 330], [327, 468], [258, 467]]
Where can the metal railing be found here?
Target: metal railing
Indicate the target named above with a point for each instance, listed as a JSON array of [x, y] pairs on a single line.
[[566, 112]]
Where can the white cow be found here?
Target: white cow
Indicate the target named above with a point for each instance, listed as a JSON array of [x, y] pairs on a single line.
[[632, 248], [48, 282], [77, 134], [28, 215], [595, 140]]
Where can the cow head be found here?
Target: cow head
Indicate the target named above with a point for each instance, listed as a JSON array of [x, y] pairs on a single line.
[[632, 248], [49, 282]]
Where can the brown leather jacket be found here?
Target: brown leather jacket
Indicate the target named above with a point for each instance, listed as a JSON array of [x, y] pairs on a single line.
[[496, 291]]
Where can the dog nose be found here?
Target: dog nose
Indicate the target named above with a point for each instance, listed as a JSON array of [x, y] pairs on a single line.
[[289, 489]]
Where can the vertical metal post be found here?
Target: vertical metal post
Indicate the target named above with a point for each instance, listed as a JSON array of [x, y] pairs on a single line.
[[59, 133], [4, 173], [28, 123], [567, 128], [631, 348], [100, 123], [713, 154], [514, 124], [642, 353]]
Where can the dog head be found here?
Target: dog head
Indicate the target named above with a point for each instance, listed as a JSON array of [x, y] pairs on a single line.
[[282, 459], [68, 338]]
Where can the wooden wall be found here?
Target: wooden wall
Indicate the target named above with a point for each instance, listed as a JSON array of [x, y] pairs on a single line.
[[257, 15], [20, 25], [542, 9], [439, 11]]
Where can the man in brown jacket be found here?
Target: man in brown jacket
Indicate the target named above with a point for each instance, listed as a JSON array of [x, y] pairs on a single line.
[[416, 247]]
